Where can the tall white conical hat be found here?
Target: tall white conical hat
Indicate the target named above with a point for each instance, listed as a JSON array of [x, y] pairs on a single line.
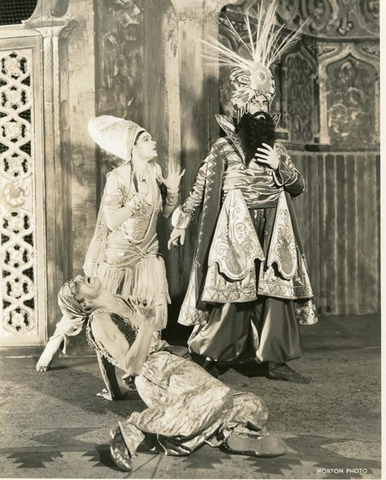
[[115, 135]]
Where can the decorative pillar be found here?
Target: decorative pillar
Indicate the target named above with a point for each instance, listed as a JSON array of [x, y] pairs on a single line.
[[22, 245], [35, 247], [54, 32]]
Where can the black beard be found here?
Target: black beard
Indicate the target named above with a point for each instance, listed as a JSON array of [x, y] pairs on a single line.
[[253, 132]]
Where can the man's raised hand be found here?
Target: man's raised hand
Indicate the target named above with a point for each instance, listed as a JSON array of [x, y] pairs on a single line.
[[268, 155]]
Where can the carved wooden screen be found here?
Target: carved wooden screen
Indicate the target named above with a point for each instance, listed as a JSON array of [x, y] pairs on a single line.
[[22, 257]]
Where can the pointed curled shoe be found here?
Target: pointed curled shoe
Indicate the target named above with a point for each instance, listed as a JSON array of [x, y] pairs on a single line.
[[281, 371], [119, 452], [255, 446]]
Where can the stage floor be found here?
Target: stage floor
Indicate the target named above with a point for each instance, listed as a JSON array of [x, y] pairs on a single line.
[[53, 425]]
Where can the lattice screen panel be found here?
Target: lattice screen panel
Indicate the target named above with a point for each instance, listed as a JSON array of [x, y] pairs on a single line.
[[18, 212]]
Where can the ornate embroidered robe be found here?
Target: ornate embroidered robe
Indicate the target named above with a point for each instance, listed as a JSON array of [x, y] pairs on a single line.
[[230, 263]]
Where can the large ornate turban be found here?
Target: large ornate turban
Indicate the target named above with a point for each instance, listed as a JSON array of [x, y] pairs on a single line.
[[69, 305], [250, 65]]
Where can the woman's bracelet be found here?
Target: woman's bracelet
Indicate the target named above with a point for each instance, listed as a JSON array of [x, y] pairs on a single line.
[[172, 197]]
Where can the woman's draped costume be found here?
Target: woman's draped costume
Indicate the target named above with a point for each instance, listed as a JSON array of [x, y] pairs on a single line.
[[127, 260], [249, 281], [185, 405]]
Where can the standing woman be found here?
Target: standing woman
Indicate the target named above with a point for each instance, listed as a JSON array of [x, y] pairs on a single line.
[[124, 251]]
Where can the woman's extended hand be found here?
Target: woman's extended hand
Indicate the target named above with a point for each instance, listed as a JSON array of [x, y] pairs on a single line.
[[173, 179]]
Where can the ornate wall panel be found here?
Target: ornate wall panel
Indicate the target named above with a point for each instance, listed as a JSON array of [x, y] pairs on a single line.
[[22, 256], [349, 100], [332, 18], [300, 71]]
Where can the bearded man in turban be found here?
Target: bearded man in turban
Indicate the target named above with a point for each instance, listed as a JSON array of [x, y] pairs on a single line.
[[249, 287]]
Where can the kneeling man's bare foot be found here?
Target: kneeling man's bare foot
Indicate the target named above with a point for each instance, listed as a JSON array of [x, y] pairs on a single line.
[[44, 362]]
